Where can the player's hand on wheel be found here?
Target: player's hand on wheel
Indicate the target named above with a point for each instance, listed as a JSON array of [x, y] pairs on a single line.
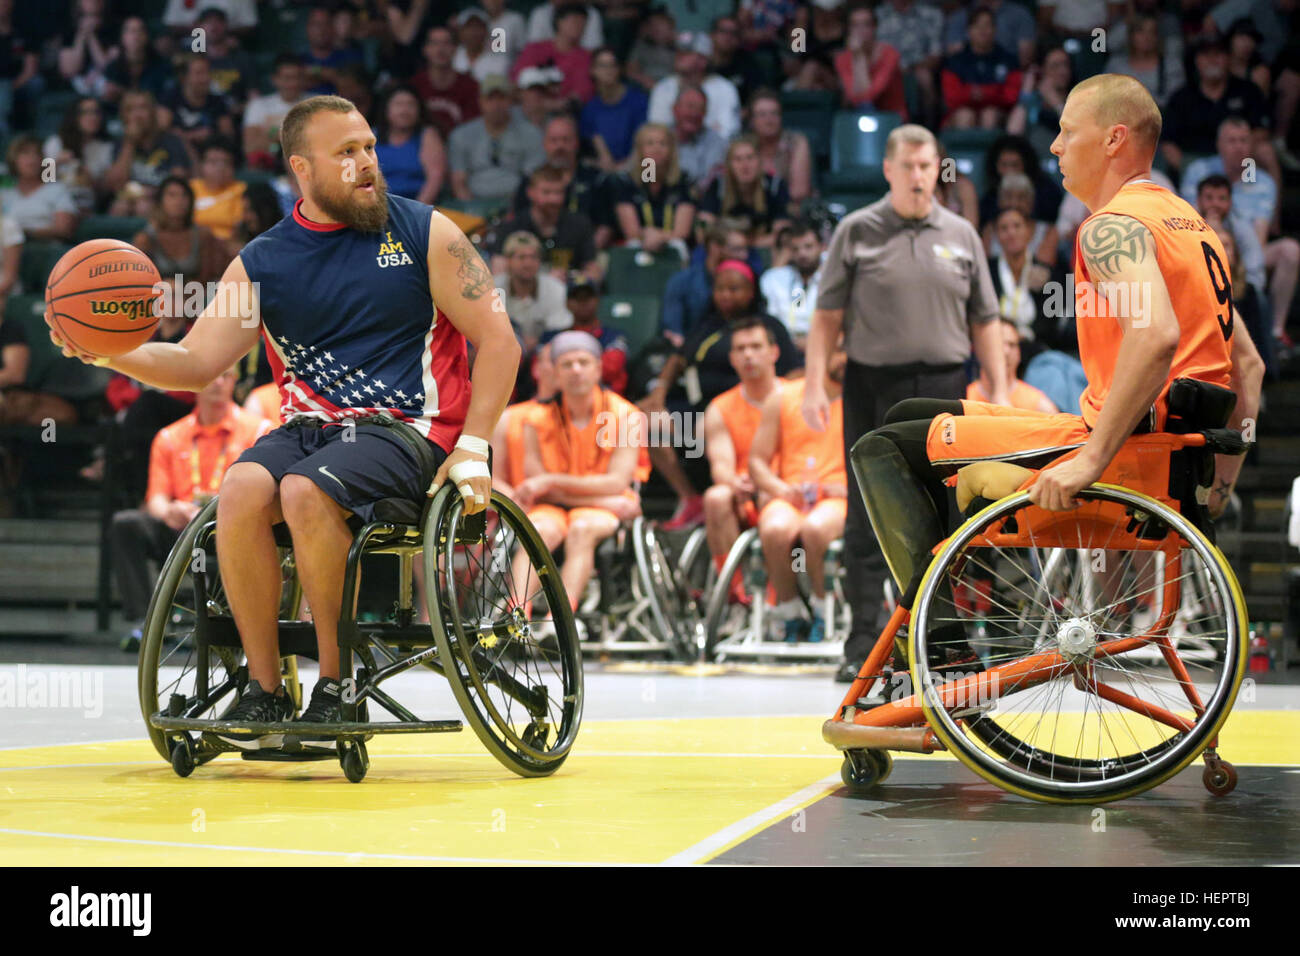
[[469, 471], [1056, 486], [69, 350]]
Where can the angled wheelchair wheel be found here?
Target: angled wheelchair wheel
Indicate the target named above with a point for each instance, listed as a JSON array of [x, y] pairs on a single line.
[[172, 676], [676, 617], [722, 619], [507, 640], [1101, 656]]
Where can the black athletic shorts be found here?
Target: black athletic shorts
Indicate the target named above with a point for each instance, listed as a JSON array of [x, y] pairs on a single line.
[[355, 466]]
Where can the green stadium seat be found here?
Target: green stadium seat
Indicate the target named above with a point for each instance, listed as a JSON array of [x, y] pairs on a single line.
[[51, 109], [110, 227], [858, 149], [816, 125], [636, 316], [970, 163], [823, 101], [28, 312], [969, 139], [36, 260], [851, 201], [637, 272]]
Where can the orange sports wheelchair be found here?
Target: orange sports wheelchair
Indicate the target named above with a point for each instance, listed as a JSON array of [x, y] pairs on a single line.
[[1109, 641]]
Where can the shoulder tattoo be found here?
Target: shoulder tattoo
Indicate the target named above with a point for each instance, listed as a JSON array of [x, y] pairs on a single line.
[[475, 280], [1111, 243]]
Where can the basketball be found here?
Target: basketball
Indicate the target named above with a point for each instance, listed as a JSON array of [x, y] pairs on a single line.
[[101, 297]]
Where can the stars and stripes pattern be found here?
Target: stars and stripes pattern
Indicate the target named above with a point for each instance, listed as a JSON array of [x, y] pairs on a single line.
[[314, 382]]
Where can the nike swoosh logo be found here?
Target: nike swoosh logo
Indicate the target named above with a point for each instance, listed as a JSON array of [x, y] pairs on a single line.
[[322, 470]]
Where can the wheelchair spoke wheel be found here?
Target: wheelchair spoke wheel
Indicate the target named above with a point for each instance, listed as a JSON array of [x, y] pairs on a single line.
[[173, 677], [507, 639], [676, 617], [722, 618], [1078, 656]]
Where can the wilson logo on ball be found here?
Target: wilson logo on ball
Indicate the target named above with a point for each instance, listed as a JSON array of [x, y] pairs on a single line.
[[131, 308]]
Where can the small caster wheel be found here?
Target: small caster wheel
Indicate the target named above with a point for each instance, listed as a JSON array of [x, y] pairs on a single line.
[[1220, 778], [535, 735], [183, 756], [863, 770], [355, 761]]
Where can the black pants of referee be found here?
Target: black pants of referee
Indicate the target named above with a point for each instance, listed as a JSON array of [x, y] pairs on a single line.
[[869, 393], [136, 541]]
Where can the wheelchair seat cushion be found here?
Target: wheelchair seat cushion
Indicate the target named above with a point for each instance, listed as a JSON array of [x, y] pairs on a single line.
[[990, 480]]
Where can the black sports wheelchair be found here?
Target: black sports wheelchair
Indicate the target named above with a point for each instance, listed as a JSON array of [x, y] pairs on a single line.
[[509, 650]]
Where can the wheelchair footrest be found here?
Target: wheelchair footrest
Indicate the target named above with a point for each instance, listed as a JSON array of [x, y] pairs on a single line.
[[289, 757], [843, 735], [297, 728]]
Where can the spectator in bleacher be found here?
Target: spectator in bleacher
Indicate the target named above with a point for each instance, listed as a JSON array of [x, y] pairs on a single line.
[[1021, 282], [44, 210], [1214, 202], [790, 290], [11, 251], [187, 461], [1020, 394], [178, 244], [1016, 29], [21, 82], [1168, 26], [1245, 297], [262, 210], [489, 156], [20, 405], [1244, 59], [652, 200], [690, 68], [823, 33], [783, 154], [181, 16], [264, 114], [1194, 113], [616, 110], [87, 46], [655, 51], [956, 191], [568, 238], [534, 300], [744, 191], [1015, 154], [543, 21], [689, 294], [1016, 191], [578, 484], [540, 95], [870, 70], [355, 85], [1146, 60], [700, 151], [405, 33], [218, 195], [410, 152], [323, 55], [192, 111], [451, 99], [1076, 19], [137, 65], [82, 152], [981, 82], [764, 22], [703, 362], [915, 30], [1037, 113], [1254, 199], [234, 71], [564, 52], [474, 52], [731, 62], [583, 301], [584, 190], [348, 24], [514, 30]]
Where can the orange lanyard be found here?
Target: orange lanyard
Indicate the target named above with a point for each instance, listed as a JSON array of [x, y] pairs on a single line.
[[217, 470]]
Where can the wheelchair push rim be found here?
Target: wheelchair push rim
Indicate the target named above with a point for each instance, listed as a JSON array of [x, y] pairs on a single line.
[[1095, 693], [517, 678]]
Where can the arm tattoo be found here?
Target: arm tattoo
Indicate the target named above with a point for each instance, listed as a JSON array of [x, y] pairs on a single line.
[[1112, 243], [474, 276]]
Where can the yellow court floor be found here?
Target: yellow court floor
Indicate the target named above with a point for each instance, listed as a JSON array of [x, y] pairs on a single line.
[[633, 792]]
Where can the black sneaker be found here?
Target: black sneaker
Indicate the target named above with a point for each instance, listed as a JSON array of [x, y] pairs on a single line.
[[847, 672], [256, 706], [325, 708]]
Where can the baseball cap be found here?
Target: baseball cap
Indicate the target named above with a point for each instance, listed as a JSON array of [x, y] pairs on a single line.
[[539, 76], [574, 340], [471, 13], [579, 284], [494, 83], [695, 43]]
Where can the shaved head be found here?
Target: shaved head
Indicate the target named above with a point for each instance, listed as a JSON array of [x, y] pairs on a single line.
[[1118, 100]]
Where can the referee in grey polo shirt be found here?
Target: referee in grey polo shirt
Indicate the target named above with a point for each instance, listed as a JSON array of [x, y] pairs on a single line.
[[907, 282]]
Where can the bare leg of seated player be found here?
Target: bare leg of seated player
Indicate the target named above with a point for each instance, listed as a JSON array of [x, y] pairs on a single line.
[[778, 528], [524, 581], [820, 527], [721, 526], [587, 528], [321, 539]]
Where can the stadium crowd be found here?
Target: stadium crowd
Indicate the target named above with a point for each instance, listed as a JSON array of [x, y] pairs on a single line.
[[650, 183]]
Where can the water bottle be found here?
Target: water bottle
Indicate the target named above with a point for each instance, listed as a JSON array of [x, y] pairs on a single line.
[[809, 484]]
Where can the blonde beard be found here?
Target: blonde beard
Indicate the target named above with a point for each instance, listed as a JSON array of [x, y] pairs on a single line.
[[352, 214]]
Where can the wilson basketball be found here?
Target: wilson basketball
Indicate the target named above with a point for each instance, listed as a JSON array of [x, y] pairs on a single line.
[[101, 295]]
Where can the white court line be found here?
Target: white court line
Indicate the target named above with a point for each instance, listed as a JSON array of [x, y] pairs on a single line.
[[353, 855], [711, 844]]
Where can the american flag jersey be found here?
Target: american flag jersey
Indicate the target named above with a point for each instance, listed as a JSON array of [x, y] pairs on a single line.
[[350, 326]]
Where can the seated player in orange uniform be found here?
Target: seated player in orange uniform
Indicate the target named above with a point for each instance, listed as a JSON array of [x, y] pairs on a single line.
[[1022, 394], [802, 472], [508, 436], [730, 422], [581, 459]]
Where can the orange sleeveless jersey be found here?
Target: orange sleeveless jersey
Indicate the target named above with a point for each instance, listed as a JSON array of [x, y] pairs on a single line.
[[1023, 395], [587, 451], [1195, 270], [516, 415], [798, 442], [742, 420]]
